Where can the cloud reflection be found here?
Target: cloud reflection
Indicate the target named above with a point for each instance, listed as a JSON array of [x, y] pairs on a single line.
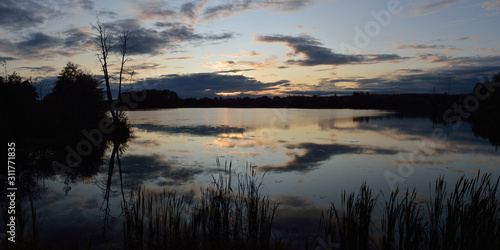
[[148, 168], [200, 130], [316, 153]]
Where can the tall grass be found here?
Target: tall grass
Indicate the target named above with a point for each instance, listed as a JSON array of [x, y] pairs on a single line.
[[232, 213], [226, 216], [354, 222], [26, 236], [468, 218]]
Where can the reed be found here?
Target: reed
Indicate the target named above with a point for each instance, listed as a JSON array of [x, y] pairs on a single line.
[[228, 216], [468, 218], [353, 224]]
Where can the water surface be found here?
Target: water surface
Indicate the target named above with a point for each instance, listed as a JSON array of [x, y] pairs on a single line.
[[308, 156]]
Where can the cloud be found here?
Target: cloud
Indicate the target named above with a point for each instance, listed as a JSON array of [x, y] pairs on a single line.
[[206, 84], [145, 66], [178, 58], [316, 54], [193, 10], [167, 35], [452, 40], [189, 11], [41, 69], [108, 14], [145, 168], [490, 5], [316, 153], [489, 50], [432, 6], [87, 5], [434, 58], [423, 46], [7, 58], [17, 15], [224, 10], [298, 215], [465, 72], [37, 45], [234, 70], [152, 10], [77, 39], [39, 40]]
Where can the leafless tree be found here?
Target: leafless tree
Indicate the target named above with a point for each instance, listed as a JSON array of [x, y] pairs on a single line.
[[124, 39], [105, 46]]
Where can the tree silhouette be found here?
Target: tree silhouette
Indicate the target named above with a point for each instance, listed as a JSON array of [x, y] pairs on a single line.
[[103, 42], [75, 103], [17, 104]]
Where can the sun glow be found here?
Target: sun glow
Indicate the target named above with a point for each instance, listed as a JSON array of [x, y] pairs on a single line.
[[228, 93]]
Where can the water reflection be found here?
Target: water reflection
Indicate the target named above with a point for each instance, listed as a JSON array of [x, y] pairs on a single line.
[[313, 154], [199, 130], [310, 157], [118, 149]]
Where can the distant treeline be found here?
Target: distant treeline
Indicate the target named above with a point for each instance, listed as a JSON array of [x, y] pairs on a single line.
[[418, 104]]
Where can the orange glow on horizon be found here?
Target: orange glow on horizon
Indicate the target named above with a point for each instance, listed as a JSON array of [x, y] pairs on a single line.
[[228, 93]]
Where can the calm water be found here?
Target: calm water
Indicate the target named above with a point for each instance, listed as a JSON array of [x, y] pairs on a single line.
[[308, 157]]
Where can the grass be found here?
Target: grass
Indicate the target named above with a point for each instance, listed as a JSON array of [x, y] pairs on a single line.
[[468, 218], [226, 216], [232, 213]]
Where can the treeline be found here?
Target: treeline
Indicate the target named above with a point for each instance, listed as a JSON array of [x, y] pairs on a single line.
[[416, 104], [53, 128], [433, 106]]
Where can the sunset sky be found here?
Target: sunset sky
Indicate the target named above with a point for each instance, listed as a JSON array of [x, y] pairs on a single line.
[[262, 47]]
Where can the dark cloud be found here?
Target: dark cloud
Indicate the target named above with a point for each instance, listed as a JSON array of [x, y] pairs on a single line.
[[168, 35], [464, 72], [88, 5], [37, 45], [316, 153], [232, 8], [435, 58], [451, 40], [39, 40], [234, 70], [149, 168], [316, 54], [76, 39], [41, 69], [428, 7], [108, 14], [7, 58], [419, 129], [16, 15], [298, 216], [206, 84], [189, 9], [40, 45], [318, 92], [153, 10], [428, 47], [223, 36]]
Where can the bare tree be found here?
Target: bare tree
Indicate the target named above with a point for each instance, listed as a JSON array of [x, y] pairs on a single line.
[[103, 41], [124, 38], [104, 45]]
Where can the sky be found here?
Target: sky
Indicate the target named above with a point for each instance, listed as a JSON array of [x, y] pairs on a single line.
[[210, 48]]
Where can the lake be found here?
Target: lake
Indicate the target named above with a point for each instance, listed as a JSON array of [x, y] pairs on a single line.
[[306, 158]]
